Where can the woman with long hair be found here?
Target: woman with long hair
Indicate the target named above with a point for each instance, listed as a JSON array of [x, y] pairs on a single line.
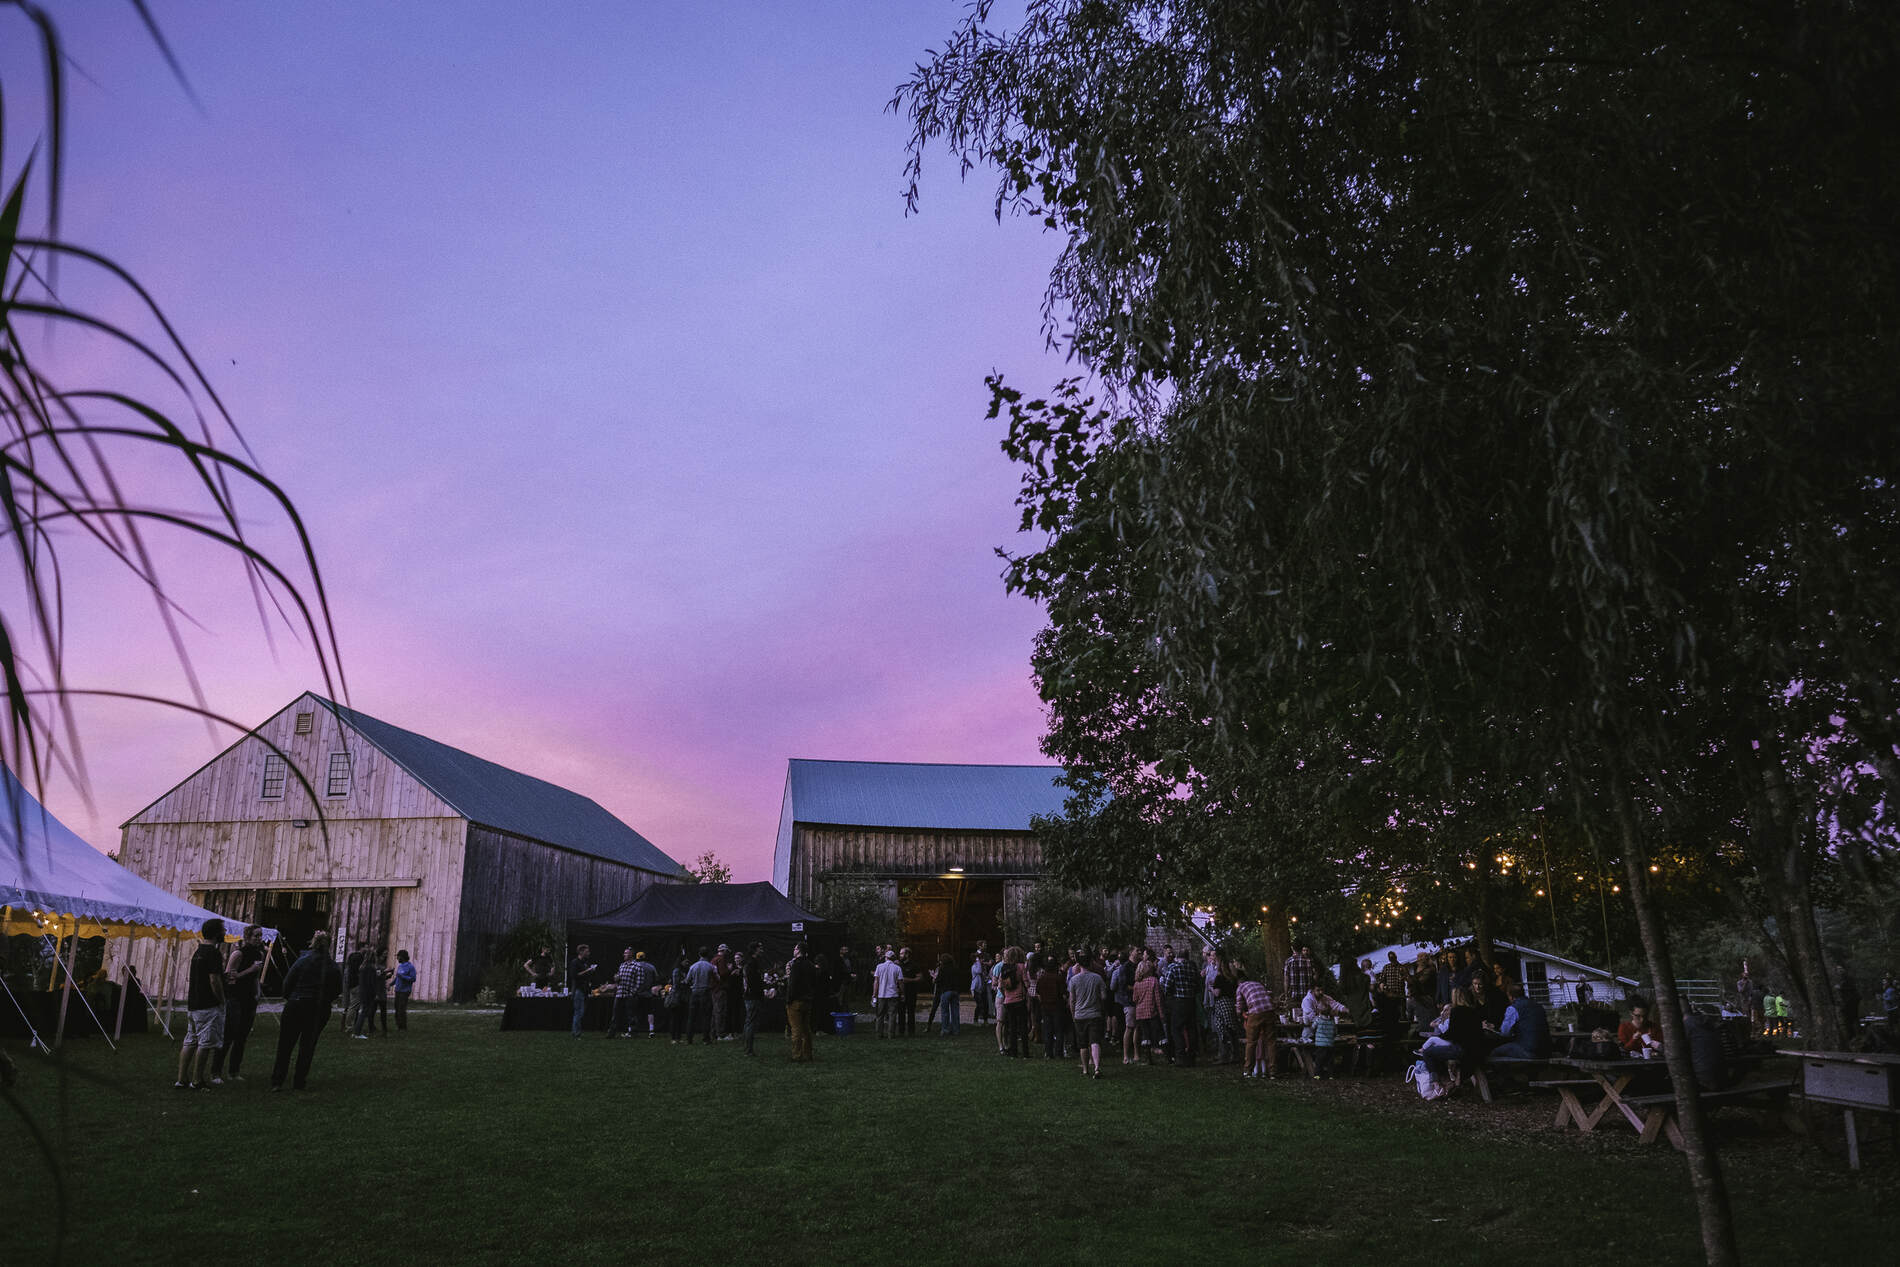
[[1226, 1021], [1013, 989]]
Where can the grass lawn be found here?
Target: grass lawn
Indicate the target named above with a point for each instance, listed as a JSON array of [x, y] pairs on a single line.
[[459, 1143]]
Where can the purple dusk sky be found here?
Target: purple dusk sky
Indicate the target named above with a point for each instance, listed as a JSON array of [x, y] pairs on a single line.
[[639, 432]]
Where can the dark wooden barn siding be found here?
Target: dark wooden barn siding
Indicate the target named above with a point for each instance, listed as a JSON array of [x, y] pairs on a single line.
[[508, 878], [882, 851], [889, 855]]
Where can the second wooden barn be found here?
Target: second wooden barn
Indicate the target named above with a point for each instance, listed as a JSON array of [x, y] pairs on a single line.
[[950, 846], [421, 846]]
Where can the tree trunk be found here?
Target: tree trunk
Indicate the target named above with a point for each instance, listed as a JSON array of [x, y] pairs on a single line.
[[1783, 847], [1276, 942], [1705, 1170]]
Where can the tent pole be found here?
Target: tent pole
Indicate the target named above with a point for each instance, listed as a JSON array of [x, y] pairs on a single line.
[[118, 1021], [164, 1014], [26, 1020], [66, 992]]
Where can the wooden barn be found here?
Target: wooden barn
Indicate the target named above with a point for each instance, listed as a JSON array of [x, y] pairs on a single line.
[[949, 845], [420, 847]]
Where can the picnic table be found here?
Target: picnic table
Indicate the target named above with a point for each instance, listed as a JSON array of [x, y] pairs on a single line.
[[1610, 1080], [1640, 1090], [1851, 1080], [1290, 1038]]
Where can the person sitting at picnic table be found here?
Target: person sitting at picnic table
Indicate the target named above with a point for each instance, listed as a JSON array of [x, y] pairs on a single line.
[[1638, 1035], [1488, 996], [1318, 1003], [1459, 1040], [1355, 990], [1526, 1028]]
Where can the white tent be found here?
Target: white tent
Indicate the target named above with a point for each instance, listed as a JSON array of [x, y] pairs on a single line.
[[56, 886], [53, 882]]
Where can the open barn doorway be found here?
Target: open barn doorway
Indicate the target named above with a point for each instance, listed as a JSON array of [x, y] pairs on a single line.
[[937, 917], [297, 915]]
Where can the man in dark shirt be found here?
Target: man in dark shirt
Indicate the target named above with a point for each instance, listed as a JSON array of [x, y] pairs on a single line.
[[752, 987], [1180, 986], [369, 993], [702, 980], [1052, 989], [242, 972], [310, 987], [801, 987], [581, 971], [722, 973], [204, 1000]]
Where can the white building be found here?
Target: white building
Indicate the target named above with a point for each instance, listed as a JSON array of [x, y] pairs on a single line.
[[1549, 978]]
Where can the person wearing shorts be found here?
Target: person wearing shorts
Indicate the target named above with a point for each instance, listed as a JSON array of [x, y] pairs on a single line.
[[204, 1001], [1088, 1008]]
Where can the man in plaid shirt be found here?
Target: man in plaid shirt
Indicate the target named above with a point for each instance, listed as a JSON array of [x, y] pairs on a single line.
[[1299, 974], [1256, 1014], [633, 983], [1392, 977], [1179, 986]]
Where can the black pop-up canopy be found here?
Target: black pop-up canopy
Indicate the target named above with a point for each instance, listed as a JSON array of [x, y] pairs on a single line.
[[704, 915]]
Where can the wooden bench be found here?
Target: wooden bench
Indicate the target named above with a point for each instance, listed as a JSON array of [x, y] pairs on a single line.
[[1659, 1110]]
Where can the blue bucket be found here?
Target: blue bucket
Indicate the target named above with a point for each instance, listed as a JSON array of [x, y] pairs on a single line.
[[844, 1024]]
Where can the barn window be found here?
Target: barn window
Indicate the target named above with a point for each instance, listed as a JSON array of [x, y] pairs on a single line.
[[276, 772], [305, 722], [339, 775]]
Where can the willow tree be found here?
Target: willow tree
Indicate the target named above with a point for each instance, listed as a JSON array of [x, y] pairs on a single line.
[[1533, 359], [83, 461]]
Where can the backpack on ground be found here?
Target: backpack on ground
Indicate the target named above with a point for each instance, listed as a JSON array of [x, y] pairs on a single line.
[[1429, 1087]]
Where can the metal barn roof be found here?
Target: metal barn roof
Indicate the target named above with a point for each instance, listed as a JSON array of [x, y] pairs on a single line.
[[932, 797], [508, 800]]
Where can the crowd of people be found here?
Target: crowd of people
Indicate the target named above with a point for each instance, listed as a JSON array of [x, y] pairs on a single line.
[[1448, 1010], [1142, 1004], [225, 984]]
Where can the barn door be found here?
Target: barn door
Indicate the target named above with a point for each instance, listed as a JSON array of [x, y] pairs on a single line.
[[360, 918], [235, 904]]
